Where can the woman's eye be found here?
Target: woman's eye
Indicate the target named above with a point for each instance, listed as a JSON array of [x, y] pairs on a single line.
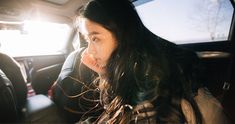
[[94, 39]]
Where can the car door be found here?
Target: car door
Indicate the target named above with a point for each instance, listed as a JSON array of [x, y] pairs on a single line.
[[41, 71]]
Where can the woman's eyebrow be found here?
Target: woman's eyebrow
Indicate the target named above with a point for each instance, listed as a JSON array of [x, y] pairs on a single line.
[[93, 33], [85, 36], [89, 34]]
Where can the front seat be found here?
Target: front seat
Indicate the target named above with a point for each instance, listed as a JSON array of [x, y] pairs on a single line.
[[74, 92], [15, 107], [13, 71]]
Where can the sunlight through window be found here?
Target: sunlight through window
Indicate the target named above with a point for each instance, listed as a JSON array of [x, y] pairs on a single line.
[[35, 38]]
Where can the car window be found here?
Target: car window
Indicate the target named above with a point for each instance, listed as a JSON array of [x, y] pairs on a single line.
[[33, 38], [187, 21]]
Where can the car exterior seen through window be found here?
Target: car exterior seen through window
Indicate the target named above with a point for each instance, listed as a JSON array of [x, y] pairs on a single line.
[[187, 21]]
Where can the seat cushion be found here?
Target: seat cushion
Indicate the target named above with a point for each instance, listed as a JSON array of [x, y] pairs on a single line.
[[40, 108]]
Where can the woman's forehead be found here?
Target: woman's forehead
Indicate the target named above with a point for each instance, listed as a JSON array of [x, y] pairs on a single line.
[[87, 27], [82, 26]]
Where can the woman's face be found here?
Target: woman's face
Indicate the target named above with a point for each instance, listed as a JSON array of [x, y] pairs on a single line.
[[101, 42]]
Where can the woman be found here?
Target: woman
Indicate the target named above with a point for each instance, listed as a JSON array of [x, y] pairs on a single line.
[[141, 77]]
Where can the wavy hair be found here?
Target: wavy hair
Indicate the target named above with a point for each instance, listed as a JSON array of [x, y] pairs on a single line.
[[141, 68]]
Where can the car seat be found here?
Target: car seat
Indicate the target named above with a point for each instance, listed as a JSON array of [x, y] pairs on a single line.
[[15, 107]]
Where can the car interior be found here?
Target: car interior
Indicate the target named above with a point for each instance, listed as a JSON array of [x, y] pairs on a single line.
[[40, 47]]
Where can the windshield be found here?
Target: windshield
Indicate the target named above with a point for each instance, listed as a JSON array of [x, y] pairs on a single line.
[[187, 21], [33, 38]]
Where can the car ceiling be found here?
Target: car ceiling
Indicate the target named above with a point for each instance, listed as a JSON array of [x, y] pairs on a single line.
[[52, 10]]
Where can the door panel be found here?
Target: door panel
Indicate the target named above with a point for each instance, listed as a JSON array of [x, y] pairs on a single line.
[[42, 71], [215, 57]]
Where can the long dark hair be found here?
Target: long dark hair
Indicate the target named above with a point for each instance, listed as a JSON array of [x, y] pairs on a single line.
[[142, 67]]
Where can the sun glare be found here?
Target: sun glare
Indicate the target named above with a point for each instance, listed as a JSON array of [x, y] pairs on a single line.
[[36, 38]]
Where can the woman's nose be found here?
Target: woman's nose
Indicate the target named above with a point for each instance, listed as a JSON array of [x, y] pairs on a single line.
[[91, 49]]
